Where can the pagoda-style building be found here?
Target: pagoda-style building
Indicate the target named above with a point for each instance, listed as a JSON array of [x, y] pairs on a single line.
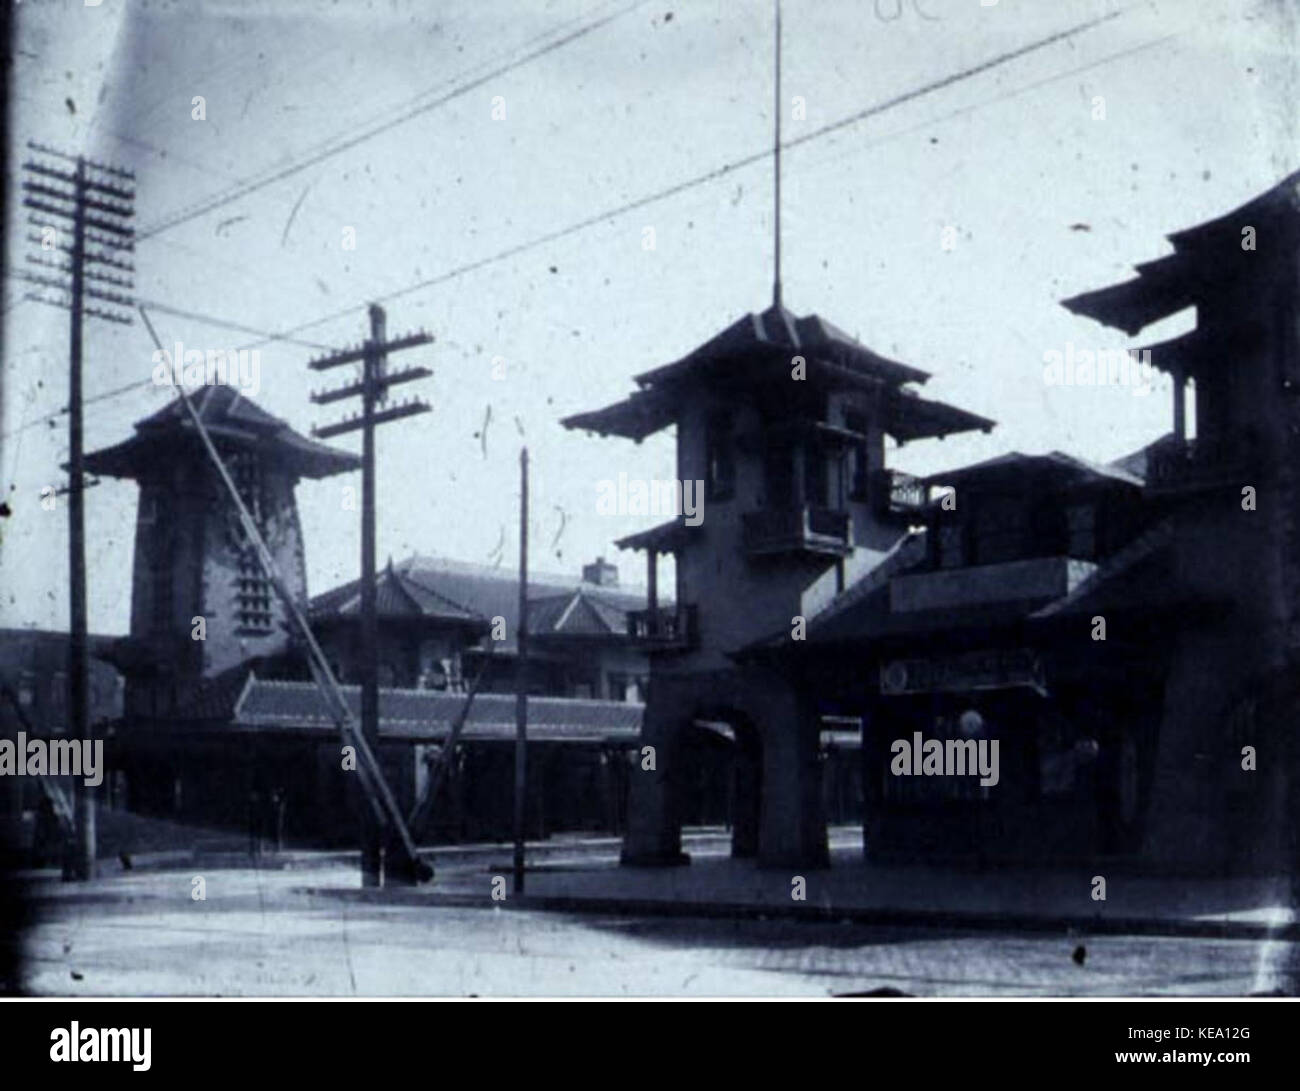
[[222, 726], [1232, 496], [783, 420], [191, 557], [1126, 633]]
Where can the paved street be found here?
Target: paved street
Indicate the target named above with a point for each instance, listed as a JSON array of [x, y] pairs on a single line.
[[260, 933]]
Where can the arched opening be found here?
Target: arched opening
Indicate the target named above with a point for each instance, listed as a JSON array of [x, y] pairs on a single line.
[[722, 772], [703, 778]]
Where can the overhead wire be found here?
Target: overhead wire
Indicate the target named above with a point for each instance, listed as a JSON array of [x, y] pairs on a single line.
[[711, 175], [346, 144], [267, 337]]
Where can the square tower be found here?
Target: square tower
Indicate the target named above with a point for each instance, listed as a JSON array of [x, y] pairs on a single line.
[[780, 437], [192, 559]]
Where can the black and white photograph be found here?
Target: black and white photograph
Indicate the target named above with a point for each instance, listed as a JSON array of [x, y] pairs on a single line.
[[765, 499]]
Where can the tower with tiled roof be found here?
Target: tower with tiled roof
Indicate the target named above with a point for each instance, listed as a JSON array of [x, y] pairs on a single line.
[[1232, 492], [781, 423], [780, 426], [191, 559]]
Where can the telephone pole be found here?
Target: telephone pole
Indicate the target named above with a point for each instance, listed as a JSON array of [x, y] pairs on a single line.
[[373, 389], [521, 682], [97, 210]]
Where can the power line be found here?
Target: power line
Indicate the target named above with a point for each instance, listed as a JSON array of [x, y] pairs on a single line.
[[225, 323], [135, 384], [708, 176], [209, 320], [351, 142], [1013, 92], [948, 81], [162, 153]]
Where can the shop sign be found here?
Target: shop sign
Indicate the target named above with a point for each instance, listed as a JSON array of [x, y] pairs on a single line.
[[998, 669]]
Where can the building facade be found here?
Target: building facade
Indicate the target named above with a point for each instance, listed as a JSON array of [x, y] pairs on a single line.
[[220, 724], [448, 624], [782, 419], [1231, 496], [1127, 634]]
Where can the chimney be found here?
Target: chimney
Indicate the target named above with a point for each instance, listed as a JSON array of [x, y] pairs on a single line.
[[601, 573]]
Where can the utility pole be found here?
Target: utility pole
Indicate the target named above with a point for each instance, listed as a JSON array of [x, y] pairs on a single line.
[[369, 773], [373, 388], [98, 211], [521, 680]]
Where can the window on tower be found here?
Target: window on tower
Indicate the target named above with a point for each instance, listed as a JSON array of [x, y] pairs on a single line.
[[161, 618], [159, 537], [859, 465], [720, 457], [252, 587]]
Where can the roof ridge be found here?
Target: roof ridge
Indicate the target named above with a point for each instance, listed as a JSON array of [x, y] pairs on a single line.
[[406, 574], [396, 580], [574, 599]]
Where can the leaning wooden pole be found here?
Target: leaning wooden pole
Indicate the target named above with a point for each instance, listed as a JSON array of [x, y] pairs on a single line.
[[372, 777], [440, 768]]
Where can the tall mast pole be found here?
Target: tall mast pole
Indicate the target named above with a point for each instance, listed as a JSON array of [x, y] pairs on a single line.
[[776, 156]]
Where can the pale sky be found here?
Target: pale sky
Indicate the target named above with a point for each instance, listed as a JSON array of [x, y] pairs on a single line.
[[1047, 200]]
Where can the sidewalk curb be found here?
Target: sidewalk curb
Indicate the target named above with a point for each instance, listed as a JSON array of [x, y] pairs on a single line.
[[814, 914], [302, 859]]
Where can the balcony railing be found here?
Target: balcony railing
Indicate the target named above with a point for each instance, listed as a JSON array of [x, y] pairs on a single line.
[[798, 530], [667, 626], [896, 493], [1199, 464]]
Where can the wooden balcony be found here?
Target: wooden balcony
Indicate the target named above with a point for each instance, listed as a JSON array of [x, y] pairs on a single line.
[[895, 494], [665, 627], [792, 531]]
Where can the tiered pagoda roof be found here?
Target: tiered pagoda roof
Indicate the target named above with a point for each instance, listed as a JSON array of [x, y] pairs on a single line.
[[757, 351], [231, 417], [1205, 258]]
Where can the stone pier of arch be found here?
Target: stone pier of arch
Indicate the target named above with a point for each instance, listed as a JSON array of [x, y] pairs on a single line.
[[778, 817]]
